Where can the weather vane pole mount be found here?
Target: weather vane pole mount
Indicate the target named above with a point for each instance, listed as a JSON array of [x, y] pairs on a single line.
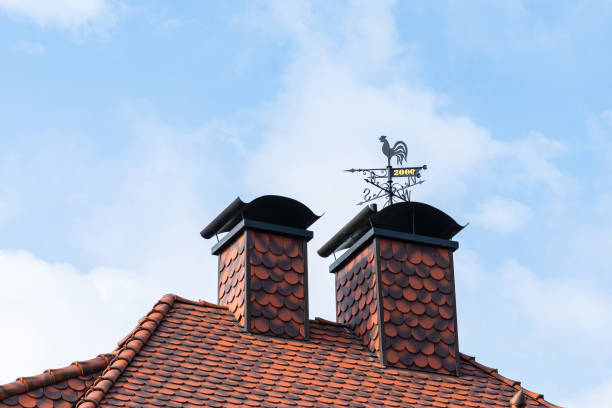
[[391, 188]]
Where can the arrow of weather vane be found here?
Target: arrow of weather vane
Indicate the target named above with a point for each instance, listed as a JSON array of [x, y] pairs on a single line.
[[391, 188]]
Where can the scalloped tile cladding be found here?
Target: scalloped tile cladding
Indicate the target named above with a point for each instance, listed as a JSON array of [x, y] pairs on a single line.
[[419, 320], [231, 278], [357, 298], [278, 289]]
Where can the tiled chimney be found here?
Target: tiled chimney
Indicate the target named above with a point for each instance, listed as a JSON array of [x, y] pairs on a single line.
[[395, 285], [263, 264]]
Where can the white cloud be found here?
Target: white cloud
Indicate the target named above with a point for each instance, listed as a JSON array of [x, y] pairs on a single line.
[[562, 305], [501, 214], [596, 397], [535, 152], [332, 111], [70, 14], [52, 310], [142, 235], [529, 163], [152, 219], [469, 271]]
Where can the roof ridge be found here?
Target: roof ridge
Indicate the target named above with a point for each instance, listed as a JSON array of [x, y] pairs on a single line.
[[493, 372], [127, 350], [325, 321], [54, 376], [199, 302]]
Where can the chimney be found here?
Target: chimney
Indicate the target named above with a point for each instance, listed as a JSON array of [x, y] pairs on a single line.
[[263, 269], [395, 285]]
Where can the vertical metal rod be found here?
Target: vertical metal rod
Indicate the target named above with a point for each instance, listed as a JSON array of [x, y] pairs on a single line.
[[389, 182]]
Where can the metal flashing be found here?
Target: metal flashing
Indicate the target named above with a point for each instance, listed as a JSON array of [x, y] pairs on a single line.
[[217, 224], [351, 251], [350, 233]]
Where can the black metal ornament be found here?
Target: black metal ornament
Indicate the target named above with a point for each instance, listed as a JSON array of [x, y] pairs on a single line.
[[399, 149], [391, 188]]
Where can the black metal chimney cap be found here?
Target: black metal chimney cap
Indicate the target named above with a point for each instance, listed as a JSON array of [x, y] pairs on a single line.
[[417, 218], [271, 209], [407, 217], [350, 233]]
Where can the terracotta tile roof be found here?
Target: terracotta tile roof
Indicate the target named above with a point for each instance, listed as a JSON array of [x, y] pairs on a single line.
[[195, 353], [128, 348], [60, 387]]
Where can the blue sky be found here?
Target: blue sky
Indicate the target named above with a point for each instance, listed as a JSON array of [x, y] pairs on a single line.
[[126, 126]]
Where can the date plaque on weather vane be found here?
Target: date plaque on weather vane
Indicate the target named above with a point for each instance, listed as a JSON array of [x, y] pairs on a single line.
[[392, 188]]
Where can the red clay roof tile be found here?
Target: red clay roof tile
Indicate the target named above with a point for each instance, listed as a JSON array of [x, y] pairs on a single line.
[[180, 364], [128, 349], [54, 388]]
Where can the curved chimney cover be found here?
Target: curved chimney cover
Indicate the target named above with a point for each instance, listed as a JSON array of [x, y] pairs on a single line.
[[417, 218], [272, 209], [409, 217]]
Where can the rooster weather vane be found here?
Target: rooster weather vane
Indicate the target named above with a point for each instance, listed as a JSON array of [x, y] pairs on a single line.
[[391, 189]]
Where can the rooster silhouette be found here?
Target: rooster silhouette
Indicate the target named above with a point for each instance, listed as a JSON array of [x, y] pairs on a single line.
[[399, 149]]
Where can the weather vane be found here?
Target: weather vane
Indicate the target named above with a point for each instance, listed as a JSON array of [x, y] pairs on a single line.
[[391, 188]]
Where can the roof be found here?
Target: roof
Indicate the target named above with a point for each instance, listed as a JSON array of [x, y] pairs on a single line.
[[60, 387], [194, 353]]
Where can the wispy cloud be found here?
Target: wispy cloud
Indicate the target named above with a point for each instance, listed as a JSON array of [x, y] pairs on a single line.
[[80, 304], [501, 214], [559, 304], [598, 396], [142, 238], [534, 155], [65, 14]]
